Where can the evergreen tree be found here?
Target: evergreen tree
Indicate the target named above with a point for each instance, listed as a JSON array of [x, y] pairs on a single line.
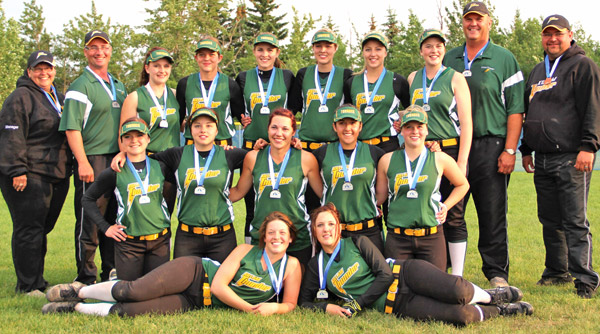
[[524, 40], [298, 53], [11, 52], [342, 57], [453, 18], [407, 57], [32, 28], [261, 19]]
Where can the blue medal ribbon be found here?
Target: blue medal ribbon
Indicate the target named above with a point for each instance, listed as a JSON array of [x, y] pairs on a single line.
[[323, 273], [347, 169], [275, 183], [265, 98], [375, 89], [550, 72], [161, 109], [112, 96], [211, 91], [466, 58], [52, 101], [414, 177], [427, 90], [323, 96], [201, 175], [143, 184], [277, 281]]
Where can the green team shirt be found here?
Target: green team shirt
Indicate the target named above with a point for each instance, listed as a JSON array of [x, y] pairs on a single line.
[[315, 125], [214, 207], [220, 104], [292, 187], [413, 212], [443, 115], [253, 100], [385, 102], [141, 219], [88, 109], [161, 138], [251, 282], [351, 276], [497, 88], [359, 203]]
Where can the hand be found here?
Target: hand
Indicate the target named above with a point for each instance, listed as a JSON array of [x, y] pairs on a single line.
[[585, 161], [118, 161], [441, 215], [506, 163], [433, 146], [116, 232], [528, 163], [265, 308], [296, 143], [260, 144], [397, 126], [86, 172], [338, 310], [246, 120], [20, 182]]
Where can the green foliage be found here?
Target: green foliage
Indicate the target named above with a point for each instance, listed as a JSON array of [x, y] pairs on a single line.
[[298, 53], [261, 19], [342, 57], [12, 52], [403, 55], [32, 28], [524, 41]]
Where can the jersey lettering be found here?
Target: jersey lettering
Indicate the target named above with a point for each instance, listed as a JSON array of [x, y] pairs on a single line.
[[198, 103], [256, 98], [361, 99], [253, 282], [155, 114], [418, 95], [311, 95], [540, 87], [190, 175], [402, 179], [340, 278], [133, 190], [265, 181], [337, 173]]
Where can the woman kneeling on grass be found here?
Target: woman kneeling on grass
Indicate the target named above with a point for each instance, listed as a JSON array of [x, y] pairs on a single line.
[[250, 280], [350, 274]]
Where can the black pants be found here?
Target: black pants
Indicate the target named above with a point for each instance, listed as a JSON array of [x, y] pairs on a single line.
[[430, 248], [488, 189], [562, 194], [374, 234], [216, 247], [427, 293], [455, 227], [176, 286], [135, 258], [34, 212], [87, 235]]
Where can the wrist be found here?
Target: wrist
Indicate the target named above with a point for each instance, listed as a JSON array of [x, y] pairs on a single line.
[[510, 151]]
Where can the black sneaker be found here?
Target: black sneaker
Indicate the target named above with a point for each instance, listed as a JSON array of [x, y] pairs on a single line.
[[555, 280], [65, 292], [60, 307], [516, 309], [502, 295], [585, 291]]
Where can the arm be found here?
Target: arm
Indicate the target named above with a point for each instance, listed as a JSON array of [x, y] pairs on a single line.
[[401, 90], [245, 182], [235, 158], [180, 95], [220, 283], [236, 100], [506, 162], [465, 118], [14, 130], [310, 167], [295, 94], [291, 289], [128, 110], [347, 76], [86, 172], [381, 186], [410, 78], [455, 175], [587, 97], [380, 268]]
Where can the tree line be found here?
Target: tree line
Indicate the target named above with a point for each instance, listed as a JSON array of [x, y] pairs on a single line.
[[177, 25]]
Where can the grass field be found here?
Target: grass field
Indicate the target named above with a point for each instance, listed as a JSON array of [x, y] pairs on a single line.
[[557, 309]]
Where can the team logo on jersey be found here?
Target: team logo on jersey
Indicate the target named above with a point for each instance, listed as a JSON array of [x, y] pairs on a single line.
[[541, 86], [252, 281], [256, 98], [418, 94], [134, 190], [265, 181], [361, 99], [198, 103], [340, 278], [155, 114], [312, 95], [401, 179], [190, 175], [337, 172]]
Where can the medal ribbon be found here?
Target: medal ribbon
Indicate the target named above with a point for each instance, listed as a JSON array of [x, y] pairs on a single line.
[[550, 72], [426, 90], [143, 184], [113, 95], [275, 183], [207, 99], [53, 102], [162, 110], [466, 58], [265, 99], [323, 96], [350, 167], [323, 275], [277, 281], [375, 89], [201, 175], [414, 177]]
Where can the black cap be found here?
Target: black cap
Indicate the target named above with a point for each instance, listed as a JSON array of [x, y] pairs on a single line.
[[476, 7], [40, 56], [96, 34], [556, 21]]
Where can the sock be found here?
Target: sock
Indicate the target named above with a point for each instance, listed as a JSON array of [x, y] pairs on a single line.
[[99, 309], [480, 296], [457, 251], [100, 291]]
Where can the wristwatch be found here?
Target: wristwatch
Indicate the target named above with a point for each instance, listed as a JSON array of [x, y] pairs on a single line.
[[510, 151]]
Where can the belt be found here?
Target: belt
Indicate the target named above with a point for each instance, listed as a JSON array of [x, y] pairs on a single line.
[[149, 237], [376, 140], [393, 289], [205, 230], [451, 142], [223, 142], [415, 232], [189, 141], [365, 224], [206, 291], [311, 145], [249, 144]]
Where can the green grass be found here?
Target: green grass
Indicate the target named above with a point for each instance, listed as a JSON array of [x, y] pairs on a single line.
[[557, 309]]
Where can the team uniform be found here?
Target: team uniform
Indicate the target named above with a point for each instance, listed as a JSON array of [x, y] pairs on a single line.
[[205, 221], [413, 231], [33, 146], [357, 207], [90, 109], [497, 88], [189, 279], [162, 138], [147, 224], [406, 288], [391, 96]]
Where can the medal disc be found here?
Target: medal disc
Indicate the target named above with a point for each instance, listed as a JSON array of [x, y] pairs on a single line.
[[164, 124], [548, 81], [322, 294], [412, 194], [265, 110], [426, 107], [144, 199], [467, 73], [323, 108], [369, 110], [275, 194], [347, 186], [200, 190], [115, 104]]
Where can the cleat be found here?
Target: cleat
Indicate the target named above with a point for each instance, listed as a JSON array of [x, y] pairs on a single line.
[[503, 295], [65, 292], [555, 280], [585, 291], [112, 276], [60, 307], [498, 282], [36, 293], [516, 309]]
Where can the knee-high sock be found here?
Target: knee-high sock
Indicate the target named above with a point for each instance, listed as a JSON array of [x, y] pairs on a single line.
[[480, 295], [99, 309], [100, 291], [457, 251]]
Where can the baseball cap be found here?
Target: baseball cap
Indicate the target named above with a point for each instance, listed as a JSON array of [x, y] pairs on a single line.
[[556, 21], [210, 44], [267, 38], [134, 126], [203, 112], [430, 33], [324, 35], [414, 113], [40, 56], [159, 54], [376, 35], [96, 34], [476, 7], [347, 111]]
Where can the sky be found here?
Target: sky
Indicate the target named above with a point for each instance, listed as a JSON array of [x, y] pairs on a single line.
[[132, 11]]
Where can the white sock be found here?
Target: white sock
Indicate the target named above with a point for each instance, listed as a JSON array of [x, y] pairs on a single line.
[[100, 291], [99, 309], [480, 296], [457, 250]]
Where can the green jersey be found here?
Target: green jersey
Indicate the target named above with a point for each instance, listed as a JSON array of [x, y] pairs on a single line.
[[220, 104], [316, 123], [496, 85], [161, 138], [140, 218], [214, 207], [443, 116], [413, 212], [89, 109], [253, 99], [291, 187], [359, 203]]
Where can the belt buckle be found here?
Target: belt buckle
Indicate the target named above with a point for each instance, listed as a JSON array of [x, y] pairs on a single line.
[[206, 230], [393, 287], [418, 232]]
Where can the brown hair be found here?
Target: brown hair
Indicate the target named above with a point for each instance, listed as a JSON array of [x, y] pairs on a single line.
[[285, 113], [329, 207], [144, 76], [275, 215]]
